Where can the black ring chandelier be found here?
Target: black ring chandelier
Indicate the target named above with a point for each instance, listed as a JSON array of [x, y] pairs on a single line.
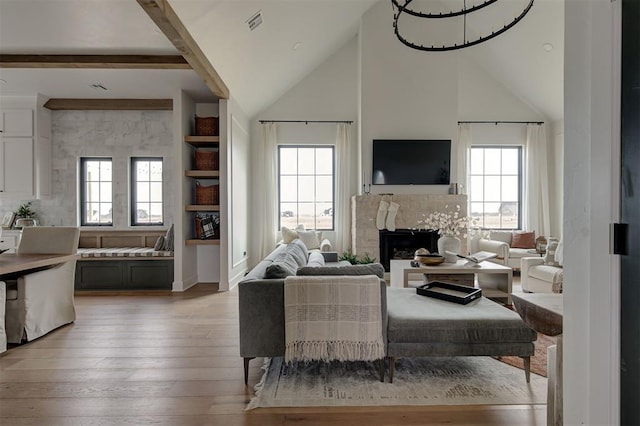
[[401, 8]]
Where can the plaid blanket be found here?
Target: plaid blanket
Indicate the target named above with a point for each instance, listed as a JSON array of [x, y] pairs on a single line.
[[333, 318]]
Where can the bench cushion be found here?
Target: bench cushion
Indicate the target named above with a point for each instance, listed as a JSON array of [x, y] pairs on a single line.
[[122, 252], [419, 319]]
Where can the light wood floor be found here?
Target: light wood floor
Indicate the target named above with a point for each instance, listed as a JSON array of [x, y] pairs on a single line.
[[172, 359]]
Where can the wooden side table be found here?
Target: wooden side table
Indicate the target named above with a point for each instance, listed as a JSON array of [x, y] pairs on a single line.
[[543, 313]]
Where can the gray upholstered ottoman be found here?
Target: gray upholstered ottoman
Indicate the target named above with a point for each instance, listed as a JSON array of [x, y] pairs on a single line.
[[424, 326]]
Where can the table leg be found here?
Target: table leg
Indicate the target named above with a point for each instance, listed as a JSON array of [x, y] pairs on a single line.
[[554, 386], [502, 281], [558, 390], [551, 384]]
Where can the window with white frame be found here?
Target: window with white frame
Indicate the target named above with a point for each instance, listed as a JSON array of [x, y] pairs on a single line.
[[96, 191], [146, 191], [306, 186], [495, 193]]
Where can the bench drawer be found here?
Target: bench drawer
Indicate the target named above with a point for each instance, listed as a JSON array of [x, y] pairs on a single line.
[[116, 274]]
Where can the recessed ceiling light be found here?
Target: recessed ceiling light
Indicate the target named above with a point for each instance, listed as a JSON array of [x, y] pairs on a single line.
[[296, 45], [548, 47], [98, 86]]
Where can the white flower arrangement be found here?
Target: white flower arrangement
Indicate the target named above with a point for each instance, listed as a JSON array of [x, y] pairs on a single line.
[[447, 222]]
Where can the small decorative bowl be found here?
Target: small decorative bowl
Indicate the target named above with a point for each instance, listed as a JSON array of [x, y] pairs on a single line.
[[429, 259]]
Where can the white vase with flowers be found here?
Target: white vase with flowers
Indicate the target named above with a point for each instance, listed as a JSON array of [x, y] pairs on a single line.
[[450, 225]]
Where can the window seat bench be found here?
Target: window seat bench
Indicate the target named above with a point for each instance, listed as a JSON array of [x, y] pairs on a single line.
[[134, 265]]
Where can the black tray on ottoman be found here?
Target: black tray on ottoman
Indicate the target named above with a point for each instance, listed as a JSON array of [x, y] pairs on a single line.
[[450, 292]]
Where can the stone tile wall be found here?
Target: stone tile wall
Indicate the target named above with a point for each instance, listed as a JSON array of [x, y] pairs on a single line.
[[116, 134], [364, 209]]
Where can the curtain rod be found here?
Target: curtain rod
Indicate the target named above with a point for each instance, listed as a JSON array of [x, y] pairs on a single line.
[[306, 121], [501, 122]]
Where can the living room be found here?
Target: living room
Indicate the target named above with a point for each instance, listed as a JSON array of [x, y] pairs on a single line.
[[460, 86]]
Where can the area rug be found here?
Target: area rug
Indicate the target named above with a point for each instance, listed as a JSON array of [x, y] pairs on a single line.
[[539, 358], [417, 381]]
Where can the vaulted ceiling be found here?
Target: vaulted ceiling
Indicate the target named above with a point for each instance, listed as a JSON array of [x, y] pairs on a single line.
[[257, 66]]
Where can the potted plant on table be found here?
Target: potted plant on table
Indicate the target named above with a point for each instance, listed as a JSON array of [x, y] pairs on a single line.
[[25, 216]]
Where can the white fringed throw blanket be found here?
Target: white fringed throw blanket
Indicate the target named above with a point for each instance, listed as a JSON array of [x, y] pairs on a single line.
[[333, 318]]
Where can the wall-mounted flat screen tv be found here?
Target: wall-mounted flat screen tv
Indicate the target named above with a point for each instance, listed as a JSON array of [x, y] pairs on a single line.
[[411, 162]]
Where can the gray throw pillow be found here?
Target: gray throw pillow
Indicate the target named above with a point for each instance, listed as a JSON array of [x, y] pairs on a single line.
[[549, 258], [284, 265], [368, 269], [159, 243], [168, 240]]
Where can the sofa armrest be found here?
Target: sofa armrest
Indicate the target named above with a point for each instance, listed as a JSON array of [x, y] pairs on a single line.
[[261, 306], [527, 263], [261, 309], [325, 245], [498, 247]]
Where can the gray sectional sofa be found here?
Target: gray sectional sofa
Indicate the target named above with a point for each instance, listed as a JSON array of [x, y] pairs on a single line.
[[261, 296], [413, 325]]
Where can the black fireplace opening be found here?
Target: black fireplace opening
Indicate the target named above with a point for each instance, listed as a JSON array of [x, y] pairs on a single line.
[[402, 244]]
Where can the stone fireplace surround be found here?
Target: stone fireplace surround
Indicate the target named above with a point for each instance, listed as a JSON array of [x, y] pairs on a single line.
[[364, 209]]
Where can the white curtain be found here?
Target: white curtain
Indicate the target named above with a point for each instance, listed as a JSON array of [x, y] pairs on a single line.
[[343, 190], [536, 198], [268, 195], [463, 154]]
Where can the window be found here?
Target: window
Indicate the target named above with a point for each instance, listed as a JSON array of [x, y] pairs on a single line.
[[146, 191], [96, 194], [496, 186], [306, 186]]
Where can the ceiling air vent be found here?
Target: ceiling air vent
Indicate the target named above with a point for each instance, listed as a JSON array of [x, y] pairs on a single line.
[[255, 21]]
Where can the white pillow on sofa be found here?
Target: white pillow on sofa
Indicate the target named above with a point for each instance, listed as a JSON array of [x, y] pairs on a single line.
[[310, 238], [288, 234]]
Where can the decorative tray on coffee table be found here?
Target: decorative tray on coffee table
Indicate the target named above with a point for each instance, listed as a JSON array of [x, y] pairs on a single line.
[[450, 292]]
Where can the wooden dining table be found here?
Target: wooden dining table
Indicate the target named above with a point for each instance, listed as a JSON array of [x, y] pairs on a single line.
[[11, 263]]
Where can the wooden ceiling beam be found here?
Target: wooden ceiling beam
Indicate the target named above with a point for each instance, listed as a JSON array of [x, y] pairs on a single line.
[[109, 104], [170, 24], [94, 61]]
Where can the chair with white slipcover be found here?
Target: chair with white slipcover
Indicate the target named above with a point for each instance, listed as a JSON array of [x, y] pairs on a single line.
[[41, 301]]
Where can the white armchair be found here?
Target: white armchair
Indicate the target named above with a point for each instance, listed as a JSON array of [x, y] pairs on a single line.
[[41, 301], [536, 276], [499, 242]]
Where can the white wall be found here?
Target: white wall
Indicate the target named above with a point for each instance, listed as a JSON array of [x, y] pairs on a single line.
[[482, 97], [235, 226], [328, 93], [405, 94], [185, 268], [591, 188], [556, 178]]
